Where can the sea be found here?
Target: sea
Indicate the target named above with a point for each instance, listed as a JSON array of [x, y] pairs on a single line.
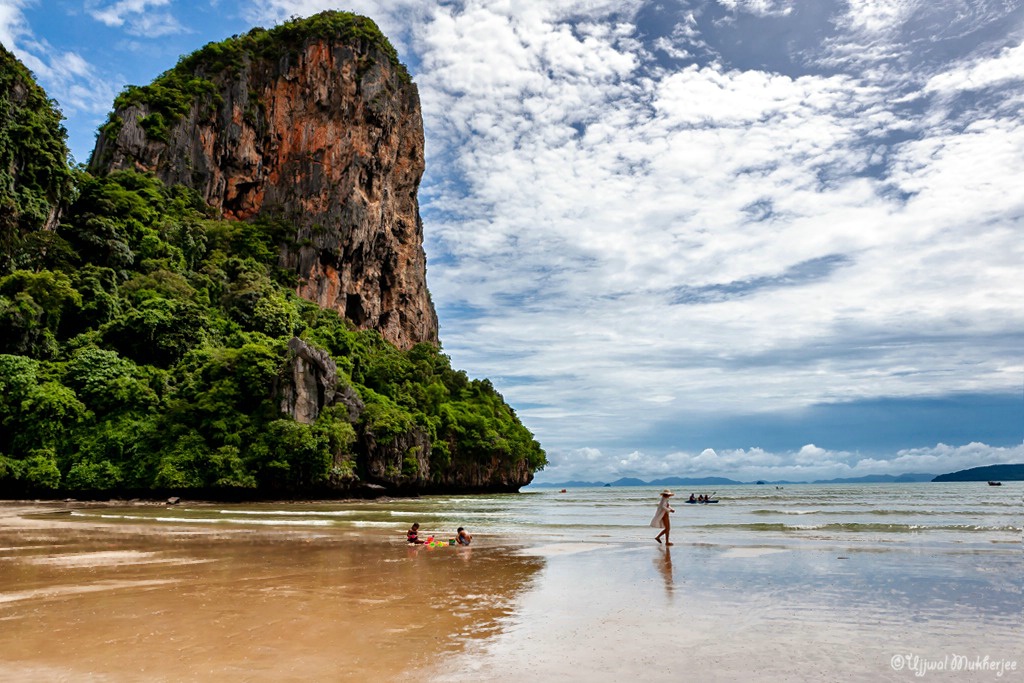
[[961, 515]]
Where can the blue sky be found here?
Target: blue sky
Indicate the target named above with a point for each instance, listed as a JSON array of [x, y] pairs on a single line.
[[749, 238]]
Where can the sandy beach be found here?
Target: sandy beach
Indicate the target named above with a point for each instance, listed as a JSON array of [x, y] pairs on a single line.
[[115, 601]]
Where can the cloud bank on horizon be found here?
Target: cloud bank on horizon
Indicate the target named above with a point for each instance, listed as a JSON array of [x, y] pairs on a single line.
[[749, 238]]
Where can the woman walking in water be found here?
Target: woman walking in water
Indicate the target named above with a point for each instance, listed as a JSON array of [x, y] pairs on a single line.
[[661, 520]]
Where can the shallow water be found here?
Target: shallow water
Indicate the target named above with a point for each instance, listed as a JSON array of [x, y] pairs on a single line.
[[965, 515], [804, 583]]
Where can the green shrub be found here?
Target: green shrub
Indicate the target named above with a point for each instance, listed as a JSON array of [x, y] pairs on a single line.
[[93, 476], [41, 471]]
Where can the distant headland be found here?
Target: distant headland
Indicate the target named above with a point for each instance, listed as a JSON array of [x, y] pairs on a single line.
[[986, 473]]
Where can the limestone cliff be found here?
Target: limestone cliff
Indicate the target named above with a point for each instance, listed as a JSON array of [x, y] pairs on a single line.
[[314, 123], [311, 133]]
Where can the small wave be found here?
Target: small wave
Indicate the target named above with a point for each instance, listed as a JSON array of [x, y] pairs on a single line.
[[787, 512], [881, 512], [210, 520], [861, 527], [292, 513], [147, 518], [917, 512], [443, 514], [282, 522]]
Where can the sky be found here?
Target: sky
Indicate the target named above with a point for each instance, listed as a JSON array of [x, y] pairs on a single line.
[[761, 239]]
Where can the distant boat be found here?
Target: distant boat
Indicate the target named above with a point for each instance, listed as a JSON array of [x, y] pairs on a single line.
[[700, 502], [995, 483], [759, 483]]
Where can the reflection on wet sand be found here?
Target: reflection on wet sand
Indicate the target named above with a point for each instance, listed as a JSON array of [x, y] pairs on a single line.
[[119, 602], [663, 563]]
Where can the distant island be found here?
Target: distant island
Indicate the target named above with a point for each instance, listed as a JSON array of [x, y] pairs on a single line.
[[987, 473], [723, 481]]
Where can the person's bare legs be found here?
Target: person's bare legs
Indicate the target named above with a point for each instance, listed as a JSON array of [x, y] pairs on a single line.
[[666, 527]]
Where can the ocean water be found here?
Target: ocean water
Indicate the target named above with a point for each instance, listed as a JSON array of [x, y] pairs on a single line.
[[954, 516]]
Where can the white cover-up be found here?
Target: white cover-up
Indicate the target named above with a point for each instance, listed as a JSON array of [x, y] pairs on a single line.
[[663, 508]]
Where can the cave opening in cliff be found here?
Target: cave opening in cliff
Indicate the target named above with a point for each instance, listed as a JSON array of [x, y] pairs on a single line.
[[354, 309], [240, 203]]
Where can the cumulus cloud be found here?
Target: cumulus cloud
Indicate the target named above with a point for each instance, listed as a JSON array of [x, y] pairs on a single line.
[[573, 225], [809, 463]]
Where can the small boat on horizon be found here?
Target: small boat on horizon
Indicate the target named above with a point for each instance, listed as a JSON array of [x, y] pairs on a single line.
[[995, 483]]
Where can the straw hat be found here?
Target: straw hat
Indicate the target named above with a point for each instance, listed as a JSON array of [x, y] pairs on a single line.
[[666, 492]]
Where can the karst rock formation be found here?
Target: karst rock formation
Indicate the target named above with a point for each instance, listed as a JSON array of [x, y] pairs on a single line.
[[321, 129]]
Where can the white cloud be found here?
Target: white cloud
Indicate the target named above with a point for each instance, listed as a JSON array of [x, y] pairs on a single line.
[[118, 13], [944, 458], [571, 241], [808, 464], [868, 37], [761, 8], [1008, 65], [137, 17], [13, 28], [877, 17], [12, 22], [65, 75], [154, 26]]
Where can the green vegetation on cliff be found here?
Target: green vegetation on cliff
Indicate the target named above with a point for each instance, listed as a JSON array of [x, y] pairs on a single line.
[[34, 174], [169, 97], [143, 342]]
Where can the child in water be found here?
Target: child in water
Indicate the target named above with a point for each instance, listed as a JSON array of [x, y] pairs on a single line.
[[464, 537], [413, 534]]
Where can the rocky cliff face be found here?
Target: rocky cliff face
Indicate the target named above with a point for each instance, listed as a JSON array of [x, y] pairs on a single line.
[[309, 383], [321, 130]]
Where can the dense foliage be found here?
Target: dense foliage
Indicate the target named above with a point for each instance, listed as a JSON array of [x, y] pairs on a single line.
[[142, 343], [142, 351], [170, 96], [34, 175]]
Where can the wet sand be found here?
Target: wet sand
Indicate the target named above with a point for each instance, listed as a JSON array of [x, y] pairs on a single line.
[[758, 614], [90, 601], [115, 602]]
